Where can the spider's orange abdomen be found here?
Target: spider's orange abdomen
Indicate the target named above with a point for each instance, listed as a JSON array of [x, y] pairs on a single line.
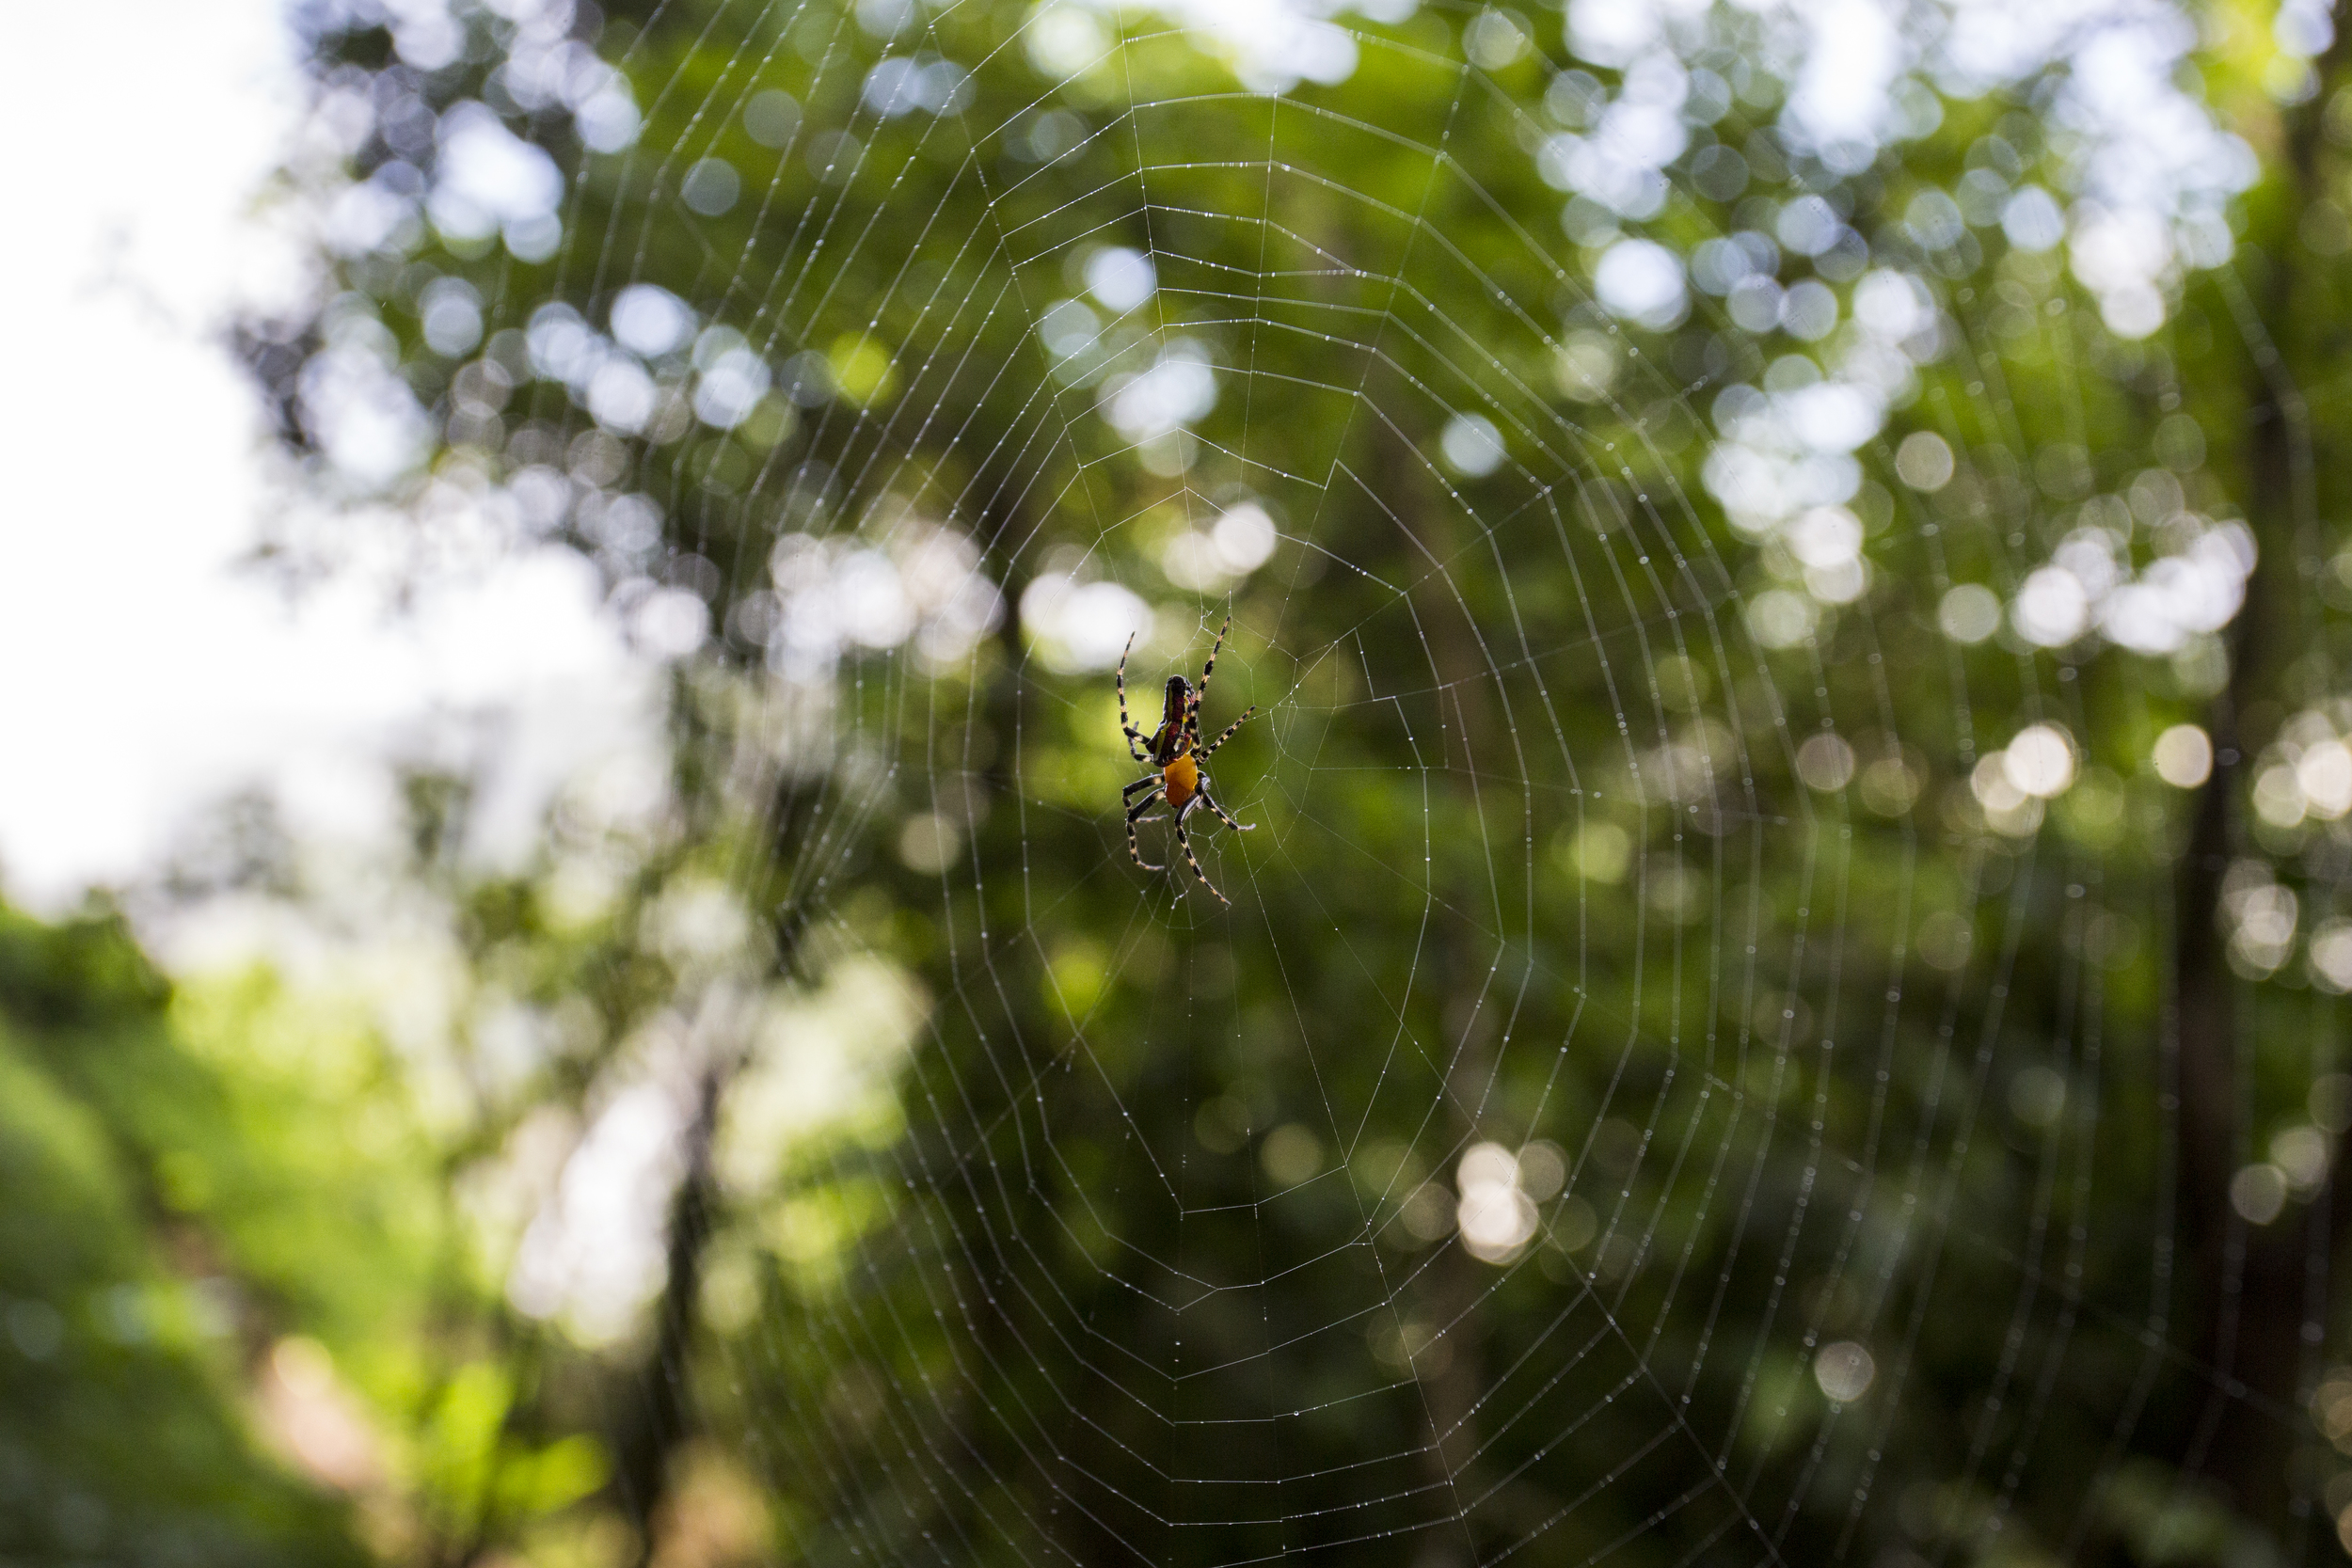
[[1181, 777]]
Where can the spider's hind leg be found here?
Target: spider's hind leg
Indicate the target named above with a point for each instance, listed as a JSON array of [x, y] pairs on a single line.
[[1134, 815], [1210, 800], [1185, 844]]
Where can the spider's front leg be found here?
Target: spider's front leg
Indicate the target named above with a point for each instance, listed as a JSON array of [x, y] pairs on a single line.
[[1210, 669], [1247, 714], [1137, 747]]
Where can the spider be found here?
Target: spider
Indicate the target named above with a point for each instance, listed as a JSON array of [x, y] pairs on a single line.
[[1175, 752]]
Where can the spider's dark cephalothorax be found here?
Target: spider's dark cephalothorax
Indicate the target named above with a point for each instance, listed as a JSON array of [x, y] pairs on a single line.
[[1176, 751]]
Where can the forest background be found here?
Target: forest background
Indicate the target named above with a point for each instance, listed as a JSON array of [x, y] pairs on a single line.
[[1783, 998]]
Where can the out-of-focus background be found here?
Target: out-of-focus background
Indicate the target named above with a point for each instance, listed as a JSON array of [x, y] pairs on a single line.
[[570, 989], [158, 225]]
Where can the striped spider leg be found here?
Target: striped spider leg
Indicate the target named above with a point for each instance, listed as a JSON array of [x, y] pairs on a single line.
[[1138, 744]]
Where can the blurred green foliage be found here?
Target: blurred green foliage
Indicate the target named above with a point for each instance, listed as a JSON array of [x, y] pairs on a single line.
[[124, 1434]]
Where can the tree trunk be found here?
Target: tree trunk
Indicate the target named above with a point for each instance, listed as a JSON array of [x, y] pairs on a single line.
[[643, 1461], [2245, 1284]]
